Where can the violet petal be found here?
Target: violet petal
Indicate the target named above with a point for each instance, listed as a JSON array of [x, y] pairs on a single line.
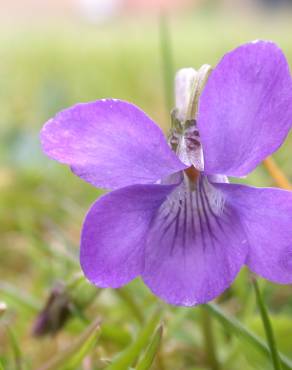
[[245, 109], [110, 144], [114, 231], [195, 247], [267, 218]]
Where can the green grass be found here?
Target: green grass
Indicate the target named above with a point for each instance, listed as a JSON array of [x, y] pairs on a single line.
[[42, 204]]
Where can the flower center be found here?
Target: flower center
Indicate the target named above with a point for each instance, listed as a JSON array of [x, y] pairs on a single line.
[[184, 140], [191, 215], [192, 174]]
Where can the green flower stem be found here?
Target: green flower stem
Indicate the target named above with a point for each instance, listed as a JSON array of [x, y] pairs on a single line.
[[210, 346], [267, 326]]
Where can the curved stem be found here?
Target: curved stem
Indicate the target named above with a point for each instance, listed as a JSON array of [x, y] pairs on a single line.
[[277, 174]]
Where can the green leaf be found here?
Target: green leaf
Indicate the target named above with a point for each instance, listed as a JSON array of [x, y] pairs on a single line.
[[268, 327], [235, 327], [73, 355], [151, 351], [131, 354]]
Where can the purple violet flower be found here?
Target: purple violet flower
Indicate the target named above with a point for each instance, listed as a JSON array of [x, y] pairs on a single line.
[[172, 217]]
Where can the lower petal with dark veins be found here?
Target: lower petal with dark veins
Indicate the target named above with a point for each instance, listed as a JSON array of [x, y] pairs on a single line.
[[196, 245]]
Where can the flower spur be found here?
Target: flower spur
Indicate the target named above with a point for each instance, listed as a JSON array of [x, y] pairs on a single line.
[[172, 217]]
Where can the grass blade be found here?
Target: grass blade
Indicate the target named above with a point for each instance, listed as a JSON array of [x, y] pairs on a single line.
[[73, 355], [267, 326], [245, 334], [132, 353], [149, 356], [15, 347]]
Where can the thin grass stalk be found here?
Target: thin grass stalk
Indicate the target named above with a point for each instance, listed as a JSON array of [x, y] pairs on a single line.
[[167, 61], [267, 326]]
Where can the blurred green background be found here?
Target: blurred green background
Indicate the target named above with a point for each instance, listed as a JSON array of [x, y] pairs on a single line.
[[49, 63]]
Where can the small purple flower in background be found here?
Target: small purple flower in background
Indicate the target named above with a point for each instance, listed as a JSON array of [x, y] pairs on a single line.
[[56, 312], [172, 217]]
